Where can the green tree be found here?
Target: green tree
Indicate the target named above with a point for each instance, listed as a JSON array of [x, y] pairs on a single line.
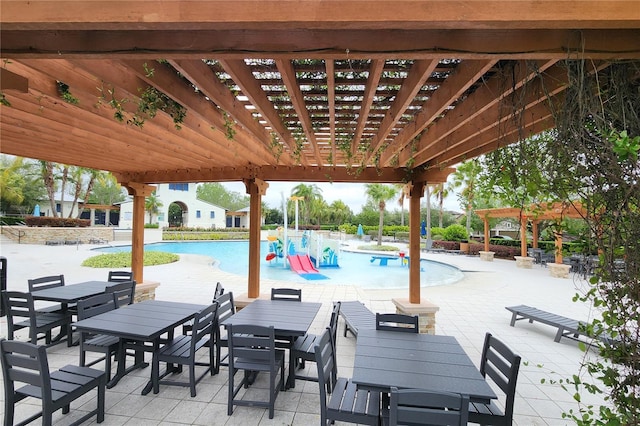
[[401, 191], [216, 193], [309, 193], [47, 170], [106, 190], [152, 206], [339, 212], [380, 194], [440, 191], [465, 178], [11, 182]]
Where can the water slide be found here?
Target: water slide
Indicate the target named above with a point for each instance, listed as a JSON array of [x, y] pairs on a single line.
[[301, 264]]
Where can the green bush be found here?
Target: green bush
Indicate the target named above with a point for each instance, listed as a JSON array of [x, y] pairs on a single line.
[[437, 231], [151, 225], [60, 222], [455, 232], [12, 220], [123, 259]]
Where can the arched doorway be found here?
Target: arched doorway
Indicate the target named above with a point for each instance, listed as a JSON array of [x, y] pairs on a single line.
[[178, 214]]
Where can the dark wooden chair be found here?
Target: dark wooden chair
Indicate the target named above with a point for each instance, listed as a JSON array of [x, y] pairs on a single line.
[[182, 350], [252, 349], [43, 283], [346, 402], [290, 294], [27, 363], [187, 326], [101, 343], [397, 322], [501, 365], [413, 407], [119, 276], [21, 314], [123, 293], [226, 308], [304, 346]]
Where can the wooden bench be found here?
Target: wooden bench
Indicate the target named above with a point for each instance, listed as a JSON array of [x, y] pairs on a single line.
[[356, 316], [567, 327]]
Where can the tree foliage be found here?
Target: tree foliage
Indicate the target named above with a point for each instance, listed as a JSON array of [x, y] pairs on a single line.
[[216, 193]]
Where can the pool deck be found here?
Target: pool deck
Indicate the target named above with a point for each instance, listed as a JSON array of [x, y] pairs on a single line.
[[468, 309]]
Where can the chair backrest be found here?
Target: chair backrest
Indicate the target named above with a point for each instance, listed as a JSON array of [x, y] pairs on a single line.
[[203, 324], [24, 362], [18, 306], [123, 292], [255, 342], [226, 306], [397, 322], [42, 283], [218, 291], [326, 366], [291, 294], [501, 364], [333, 323], [95, 305], [420, 407], [119, 276]]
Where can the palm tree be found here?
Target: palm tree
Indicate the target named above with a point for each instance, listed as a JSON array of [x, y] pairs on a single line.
[[440, 191], [379, 193], [47, 169], [340, 212], [466, 178], [152, 205], [310, 193], [11, 181], [401, 198]]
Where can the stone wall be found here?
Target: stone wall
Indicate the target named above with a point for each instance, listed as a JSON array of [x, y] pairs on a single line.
[[51, 236]]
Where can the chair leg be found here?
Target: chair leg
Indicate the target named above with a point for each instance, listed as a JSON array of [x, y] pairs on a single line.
[[192, 379], [8, 410], [107, 365], [102, 384], [230, 397]]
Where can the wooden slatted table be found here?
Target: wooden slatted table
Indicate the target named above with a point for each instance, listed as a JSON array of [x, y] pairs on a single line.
[[289, 320], [386, 359]]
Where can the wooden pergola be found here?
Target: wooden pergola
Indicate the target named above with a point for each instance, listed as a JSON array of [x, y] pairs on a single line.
[[534, 213], [306, 90]]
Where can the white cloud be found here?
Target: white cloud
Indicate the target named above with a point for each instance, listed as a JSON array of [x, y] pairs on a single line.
[[352, 194]]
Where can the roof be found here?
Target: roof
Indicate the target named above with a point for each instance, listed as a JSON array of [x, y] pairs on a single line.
[[311, 90]]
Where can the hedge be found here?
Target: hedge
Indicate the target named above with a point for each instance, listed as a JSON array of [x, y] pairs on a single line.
[[57, 222]]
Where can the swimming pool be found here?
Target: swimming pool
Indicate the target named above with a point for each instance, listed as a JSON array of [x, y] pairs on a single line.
[[355, 268]]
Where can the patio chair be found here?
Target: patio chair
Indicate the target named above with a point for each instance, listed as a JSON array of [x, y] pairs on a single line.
[[119, 276], [20, 305], [419, 407], [226, 308], [101, 343], [340, 400], [252, 349], [43, 283], [397, 322], [304, 346], [182, 350], [123, 293], [291, 294], [187, 326], [27, 363], [501, 365]]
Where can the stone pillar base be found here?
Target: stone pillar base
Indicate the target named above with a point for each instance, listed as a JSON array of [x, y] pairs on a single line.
[[425, 310], [524, 262], [243, 300], [487, 256], [559, 270], [146, 291]]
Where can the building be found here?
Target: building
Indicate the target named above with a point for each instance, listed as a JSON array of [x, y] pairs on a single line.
[[195, 212]]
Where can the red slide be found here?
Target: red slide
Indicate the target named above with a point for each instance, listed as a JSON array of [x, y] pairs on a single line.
[[301, 264]]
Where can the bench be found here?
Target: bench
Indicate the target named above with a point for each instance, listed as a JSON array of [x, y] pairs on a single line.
[[54, 243], [383, 259], [567, 327], [356, 316]]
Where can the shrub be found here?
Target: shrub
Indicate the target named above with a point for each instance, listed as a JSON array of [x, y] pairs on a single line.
[[57, 222], [437, 231], [123, 259], [12, 220], [455, 232]]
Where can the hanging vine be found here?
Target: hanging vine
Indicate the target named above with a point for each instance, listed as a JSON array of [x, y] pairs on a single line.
[[65, 94]]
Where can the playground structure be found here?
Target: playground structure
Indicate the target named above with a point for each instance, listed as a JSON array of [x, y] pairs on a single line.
[[306, 251]]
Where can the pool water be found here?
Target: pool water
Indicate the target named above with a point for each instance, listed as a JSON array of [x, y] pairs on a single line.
[[355, 268]]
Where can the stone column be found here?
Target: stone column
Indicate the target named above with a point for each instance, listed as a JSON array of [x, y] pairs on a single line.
[[425, 310]]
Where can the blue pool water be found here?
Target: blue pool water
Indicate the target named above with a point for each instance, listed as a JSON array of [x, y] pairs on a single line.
[[355, 268]]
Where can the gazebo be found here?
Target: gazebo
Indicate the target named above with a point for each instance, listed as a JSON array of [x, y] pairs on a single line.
[[255, 91]]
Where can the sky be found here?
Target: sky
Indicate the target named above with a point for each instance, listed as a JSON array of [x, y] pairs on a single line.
[[352, 194]]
